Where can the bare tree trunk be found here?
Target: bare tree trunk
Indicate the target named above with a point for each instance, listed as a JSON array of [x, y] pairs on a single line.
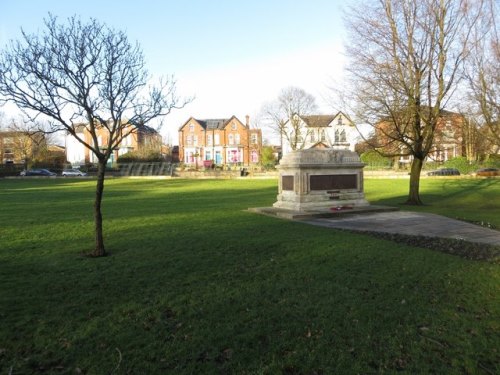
[[414, 193], [99, 250]]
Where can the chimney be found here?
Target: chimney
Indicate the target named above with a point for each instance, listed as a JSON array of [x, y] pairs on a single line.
[[247, 121]]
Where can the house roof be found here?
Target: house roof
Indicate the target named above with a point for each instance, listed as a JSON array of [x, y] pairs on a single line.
[[323, 121], [318, 121], [212, 124]]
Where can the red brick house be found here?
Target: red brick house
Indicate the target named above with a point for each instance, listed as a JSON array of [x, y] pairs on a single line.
[[449, 141], [17, 147], [219, 142], [141, 139]]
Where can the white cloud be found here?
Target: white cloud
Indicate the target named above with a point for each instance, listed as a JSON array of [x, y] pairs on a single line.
[[242, 89]]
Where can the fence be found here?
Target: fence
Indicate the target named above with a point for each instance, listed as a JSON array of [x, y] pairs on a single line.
[[147, 169], [11, 169]]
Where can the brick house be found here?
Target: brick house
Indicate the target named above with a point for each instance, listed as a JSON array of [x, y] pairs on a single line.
[[219, 142], [143, 138], [449, 140], [17, 147], [335, 131]]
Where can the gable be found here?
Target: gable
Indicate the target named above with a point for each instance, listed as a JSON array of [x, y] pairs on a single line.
[[317, 121], [191, 123], [234, 124], [319, 145]]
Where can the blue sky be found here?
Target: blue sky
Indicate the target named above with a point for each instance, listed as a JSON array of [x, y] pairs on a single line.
[[232, 55]]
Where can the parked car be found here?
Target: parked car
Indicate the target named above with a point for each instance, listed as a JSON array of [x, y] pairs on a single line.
[[488, 172], [38, 172], [444, 172], [73, 172]]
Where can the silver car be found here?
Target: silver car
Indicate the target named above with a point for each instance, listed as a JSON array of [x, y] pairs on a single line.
[[73, 173]]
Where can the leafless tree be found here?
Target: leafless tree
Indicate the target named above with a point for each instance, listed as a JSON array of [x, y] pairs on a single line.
[[3, 119], [30, 140], [88, 73], [405, 61], [283, 114], [483, 72]]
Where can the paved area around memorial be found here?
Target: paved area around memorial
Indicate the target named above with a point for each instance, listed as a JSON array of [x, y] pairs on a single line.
[[413, 224], [391, 220]]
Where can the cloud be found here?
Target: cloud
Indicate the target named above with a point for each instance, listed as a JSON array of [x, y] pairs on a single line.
[[242, 89]]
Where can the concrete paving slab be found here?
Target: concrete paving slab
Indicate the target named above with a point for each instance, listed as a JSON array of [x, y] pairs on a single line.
[[414, 224]]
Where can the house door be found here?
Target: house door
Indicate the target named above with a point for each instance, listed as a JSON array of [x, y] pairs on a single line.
[[218, 157]]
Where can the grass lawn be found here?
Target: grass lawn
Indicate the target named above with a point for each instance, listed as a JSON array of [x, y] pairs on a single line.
[[197, 285]]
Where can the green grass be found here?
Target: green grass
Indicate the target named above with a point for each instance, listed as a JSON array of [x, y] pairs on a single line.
[[197, 285], [476, 200]]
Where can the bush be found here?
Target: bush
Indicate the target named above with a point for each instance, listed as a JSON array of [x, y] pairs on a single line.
[[462, 164], [374, 160], [493, 161]]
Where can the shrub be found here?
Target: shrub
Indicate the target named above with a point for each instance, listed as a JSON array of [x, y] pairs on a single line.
[[462, 164], [374, 160], [138, 156], [492, 161]]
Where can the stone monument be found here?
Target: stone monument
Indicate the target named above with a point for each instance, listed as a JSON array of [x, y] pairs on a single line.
[[319, 179]]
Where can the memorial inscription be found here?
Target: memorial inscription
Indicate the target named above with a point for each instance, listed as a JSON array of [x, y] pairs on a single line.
[[338, 181], [287, 183]]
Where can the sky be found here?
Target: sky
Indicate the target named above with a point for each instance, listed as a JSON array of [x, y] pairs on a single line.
[[232, 56]]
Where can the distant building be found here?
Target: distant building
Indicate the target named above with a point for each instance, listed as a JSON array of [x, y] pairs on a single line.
[[143, 138], [17, 147], [219, 142], [449, 141], [335, 131]]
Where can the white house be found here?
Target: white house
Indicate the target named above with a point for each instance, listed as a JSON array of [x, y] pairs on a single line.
[[331, 131]]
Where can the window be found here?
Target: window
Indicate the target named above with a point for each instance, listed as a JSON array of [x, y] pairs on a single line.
[[217, 139], [127, 141], [323, 135], [337, 136], [233, 126], [254, 156], [191, 127], [210, 140], [339, 121], [231, 139], [208, 155], [312, 137], [237, 139], [195, 140], [342, 136], [299, 138], [189, 140], [253, 139], [233, 156]]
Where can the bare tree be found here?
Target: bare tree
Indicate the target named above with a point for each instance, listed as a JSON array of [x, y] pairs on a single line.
[[405, 64], [87, 73], [3, 120], [284, 114], [482, 72], [30, 139]]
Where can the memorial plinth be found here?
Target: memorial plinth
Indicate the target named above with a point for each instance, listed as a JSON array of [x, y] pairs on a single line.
[[319, 179]]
